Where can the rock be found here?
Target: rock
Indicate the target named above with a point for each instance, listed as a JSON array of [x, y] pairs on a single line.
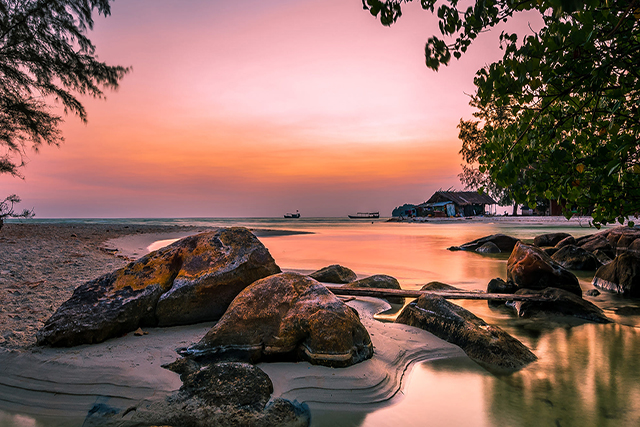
[[595, 242], [621, 276], [561, 303], [566, 241], [529, 267], [286, 317], [503, 242], [439, 286], [488, 345], [575, 258], [192, 280], [221, 394], [602, 257], [378, 281], [334, 274], [550, 250], [634, 246], [549, 239], [592, 293], [499, 286], [489, 248]]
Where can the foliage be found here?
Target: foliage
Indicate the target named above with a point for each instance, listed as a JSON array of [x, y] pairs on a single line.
[[573, 89], [46, 59], [7, 208]]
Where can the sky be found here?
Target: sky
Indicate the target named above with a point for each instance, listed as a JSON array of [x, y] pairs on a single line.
[[254, 109]]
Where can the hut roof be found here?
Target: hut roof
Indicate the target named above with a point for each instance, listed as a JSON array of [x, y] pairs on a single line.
[[462, 198]]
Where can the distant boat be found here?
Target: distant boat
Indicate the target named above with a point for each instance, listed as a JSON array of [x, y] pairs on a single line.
[[365, 215], [292, 215]]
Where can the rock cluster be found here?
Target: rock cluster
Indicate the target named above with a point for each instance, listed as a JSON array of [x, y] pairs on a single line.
[[193, 280]]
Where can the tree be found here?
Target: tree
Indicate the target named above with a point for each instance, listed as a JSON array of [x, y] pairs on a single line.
[[46, 58], [7, 209], [473, 139], [574, 91]]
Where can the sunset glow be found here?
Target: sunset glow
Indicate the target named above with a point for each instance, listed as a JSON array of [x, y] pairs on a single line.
[[248, 109]]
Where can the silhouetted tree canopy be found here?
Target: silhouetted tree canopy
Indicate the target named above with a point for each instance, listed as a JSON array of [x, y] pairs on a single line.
[[574, 92], [46, 59]]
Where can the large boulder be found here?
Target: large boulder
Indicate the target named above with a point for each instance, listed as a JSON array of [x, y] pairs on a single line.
[[192, 280], [531, 268], [334, 273], [597, 242], [621, 276], [503, 242], [221, 394], [286, 317], [575, 258], [488, 345], [559, 302], [378, 281], [550, 239]]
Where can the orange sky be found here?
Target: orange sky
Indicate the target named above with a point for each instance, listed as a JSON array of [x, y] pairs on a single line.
[[252, 108]]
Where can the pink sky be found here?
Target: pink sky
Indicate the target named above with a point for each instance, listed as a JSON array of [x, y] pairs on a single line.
[[251, 108]]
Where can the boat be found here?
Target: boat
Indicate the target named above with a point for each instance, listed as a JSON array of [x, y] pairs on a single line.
[[292, 215], [365, 215]]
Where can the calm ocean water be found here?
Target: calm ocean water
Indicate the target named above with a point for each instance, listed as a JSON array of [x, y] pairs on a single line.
[[587, 375]]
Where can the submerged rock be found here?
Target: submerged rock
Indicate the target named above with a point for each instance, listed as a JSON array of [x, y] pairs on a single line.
[[550, 239], [439, 286], [575, 258], [192, 280], [489, 248], [499, 286], [503, 242], [334, 274], [486, 344], [621, 276], [559, 302], [531, 268], [286, 317], [378, 281]]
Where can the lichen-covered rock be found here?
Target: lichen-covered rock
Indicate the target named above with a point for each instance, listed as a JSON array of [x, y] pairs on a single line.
[[575, 258], [559, 302], [489, 248], [550, 239], [621, 276], [486, 344], [221, 394], [286, 317], [192, 280], [334, 274], [531, 268], [378, 281], [503, 242]]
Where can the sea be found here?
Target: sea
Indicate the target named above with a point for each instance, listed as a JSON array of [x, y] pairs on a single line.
[[586, 374]]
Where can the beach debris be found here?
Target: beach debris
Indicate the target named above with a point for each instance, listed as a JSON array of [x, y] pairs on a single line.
[[621, 276], [576, 258], [503, 242], [558, 302], [220, 394], [488, 345], [550, 239], [286, 316], [530, 267], [378, 281], [192, 280], [139, 332], [334, 274]]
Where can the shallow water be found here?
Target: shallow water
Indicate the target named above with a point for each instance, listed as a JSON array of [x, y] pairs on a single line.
[[586, 375]]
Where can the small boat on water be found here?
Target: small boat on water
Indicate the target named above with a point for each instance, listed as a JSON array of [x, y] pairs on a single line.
[[365, 215], [292, 215]]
